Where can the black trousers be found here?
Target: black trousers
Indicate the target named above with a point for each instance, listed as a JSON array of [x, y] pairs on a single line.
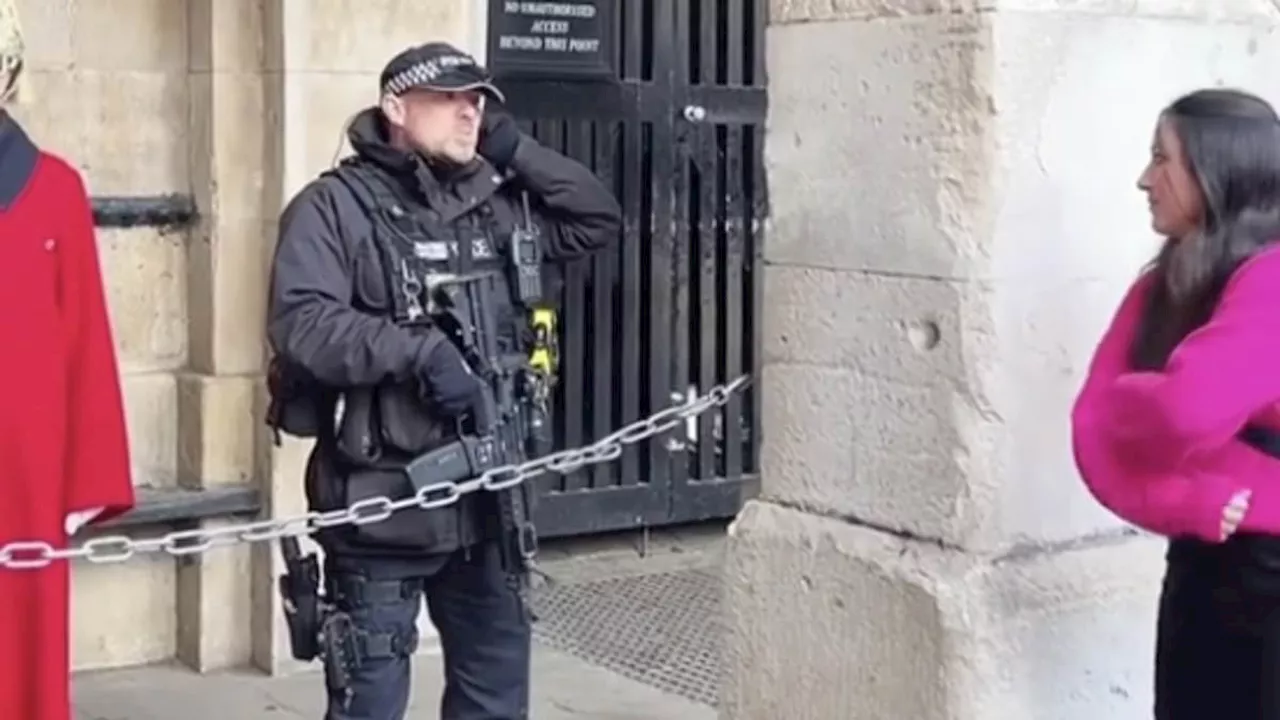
[[484, 635], [1218, 634]]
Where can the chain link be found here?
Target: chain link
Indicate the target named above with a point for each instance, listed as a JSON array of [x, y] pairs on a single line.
[[34, 554]]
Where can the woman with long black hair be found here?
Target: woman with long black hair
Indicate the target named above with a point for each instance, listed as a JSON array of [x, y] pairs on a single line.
[[1177, 428]]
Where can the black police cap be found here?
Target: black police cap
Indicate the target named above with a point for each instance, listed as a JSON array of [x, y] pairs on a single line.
[[436, 66]]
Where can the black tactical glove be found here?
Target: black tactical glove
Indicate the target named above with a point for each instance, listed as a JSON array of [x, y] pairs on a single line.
[[499, 136], [451, 387]]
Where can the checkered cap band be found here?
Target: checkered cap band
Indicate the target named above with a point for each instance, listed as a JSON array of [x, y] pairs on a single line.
[[429, 73]]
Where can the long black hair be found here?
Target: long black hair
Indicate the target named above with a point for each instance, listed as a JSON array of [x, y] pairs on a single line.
[[1231, 143]]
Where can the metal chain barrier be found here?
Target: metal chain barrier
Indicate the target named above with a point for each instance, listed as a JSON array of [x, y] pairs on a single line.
[[29, 554]]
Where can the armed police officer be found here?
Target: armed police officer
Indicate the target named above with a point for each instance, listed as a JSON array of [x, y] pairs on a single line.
[[442, 185]]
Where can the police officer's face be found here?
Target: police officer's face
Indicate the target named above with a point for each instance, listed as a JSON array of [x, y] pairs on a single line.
[[443, 125]]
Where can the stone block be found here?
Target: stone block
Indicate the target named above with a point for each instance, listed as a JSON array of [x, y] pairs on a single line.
[[47, 27], [123, 614], [1050, 197], [332, 101], [229, 265], [885, 453], [877, 627], [126, 131], [216, 430], [912, 330], [927, 406], [360, 36], [49, 116], [151, 413], [881, 134], [227, 37], [130, 35], [782, 12], [145, 273], [134, 130], [227, 143], [1241, 11], [214, 604]]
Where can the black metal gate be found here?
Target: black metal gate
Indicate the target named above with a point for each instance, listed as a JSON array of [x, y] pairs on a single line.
[[677, 126]]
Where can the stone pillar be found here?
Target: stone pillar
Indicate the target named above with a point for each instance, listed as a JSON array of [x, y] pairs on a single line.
[[954, 220], [227, 272], [323, 58]]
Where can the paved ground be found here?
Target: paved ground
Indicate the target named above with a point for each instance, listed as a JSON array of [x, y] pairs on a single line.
[[570, 683], [565, 688]]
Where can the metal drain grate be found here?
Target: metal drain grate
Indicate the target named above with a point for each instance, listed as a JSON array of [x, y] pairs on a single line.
[[663, 630]]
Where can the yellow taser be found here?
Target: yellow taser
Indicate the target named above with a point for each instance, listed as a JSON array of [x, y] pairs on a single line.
[[544, 357]]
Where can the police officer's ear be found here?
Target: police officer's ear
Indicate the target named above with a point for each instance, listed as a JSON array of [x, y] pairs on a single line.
[[393, 108]]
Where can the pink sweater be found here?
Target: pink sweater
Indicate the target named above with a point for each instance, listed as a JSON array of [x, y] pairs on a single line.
[[1158, 448]]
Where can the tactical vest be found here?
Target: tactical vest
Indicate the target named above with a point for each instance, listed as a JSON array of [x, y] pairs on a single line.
[[373, 431], [416, 247]]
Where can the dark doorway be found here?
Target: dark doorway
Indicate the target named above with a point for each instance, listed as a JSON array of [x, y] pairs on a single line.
[[675, 121]]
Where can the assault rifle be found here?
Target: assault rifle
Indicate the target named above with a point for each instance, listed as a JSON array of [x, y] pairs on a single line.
[[465, 309]]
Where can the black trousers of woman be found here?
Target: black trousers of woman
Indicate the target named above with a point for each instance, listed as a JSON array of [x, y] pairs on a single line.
[[1218, 634]]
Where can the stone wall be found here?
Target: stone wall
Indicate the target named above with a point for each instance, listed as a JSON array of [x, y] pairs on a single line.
[[954, 219], [239, 102]]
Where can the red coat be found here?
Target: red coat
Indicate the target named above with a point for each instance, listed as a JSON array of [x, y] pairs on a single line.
[[63, 445]]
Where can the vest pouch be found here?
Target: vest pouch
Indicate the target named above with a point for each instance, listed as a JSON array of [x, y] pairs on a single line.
[[404, 421], [430, 531], [294, 406]]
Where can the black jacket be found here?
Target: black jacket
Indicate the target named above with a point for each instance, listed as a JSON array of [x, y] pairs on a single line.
[[311, 320], [329, 306]]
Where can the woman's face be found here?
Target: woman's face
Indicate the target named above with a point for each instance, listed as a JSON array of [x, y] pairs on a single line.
[[1173, 195]]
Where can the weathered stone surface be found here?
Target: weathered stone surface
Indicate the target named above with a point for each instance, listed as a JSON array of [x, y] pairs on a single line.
[[880, 133], [227, 37], [130, 35], [145, 275], [123, 614], [229, 265], [955, 219], [47, 27], [125, 130], [965, 352], [151, 414], [214, 602], [1236, 11], [345, 36], [862, 626], [802, 11], [912, 402], [782, 12], [216, 430], [332, 101], [227, 143]]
